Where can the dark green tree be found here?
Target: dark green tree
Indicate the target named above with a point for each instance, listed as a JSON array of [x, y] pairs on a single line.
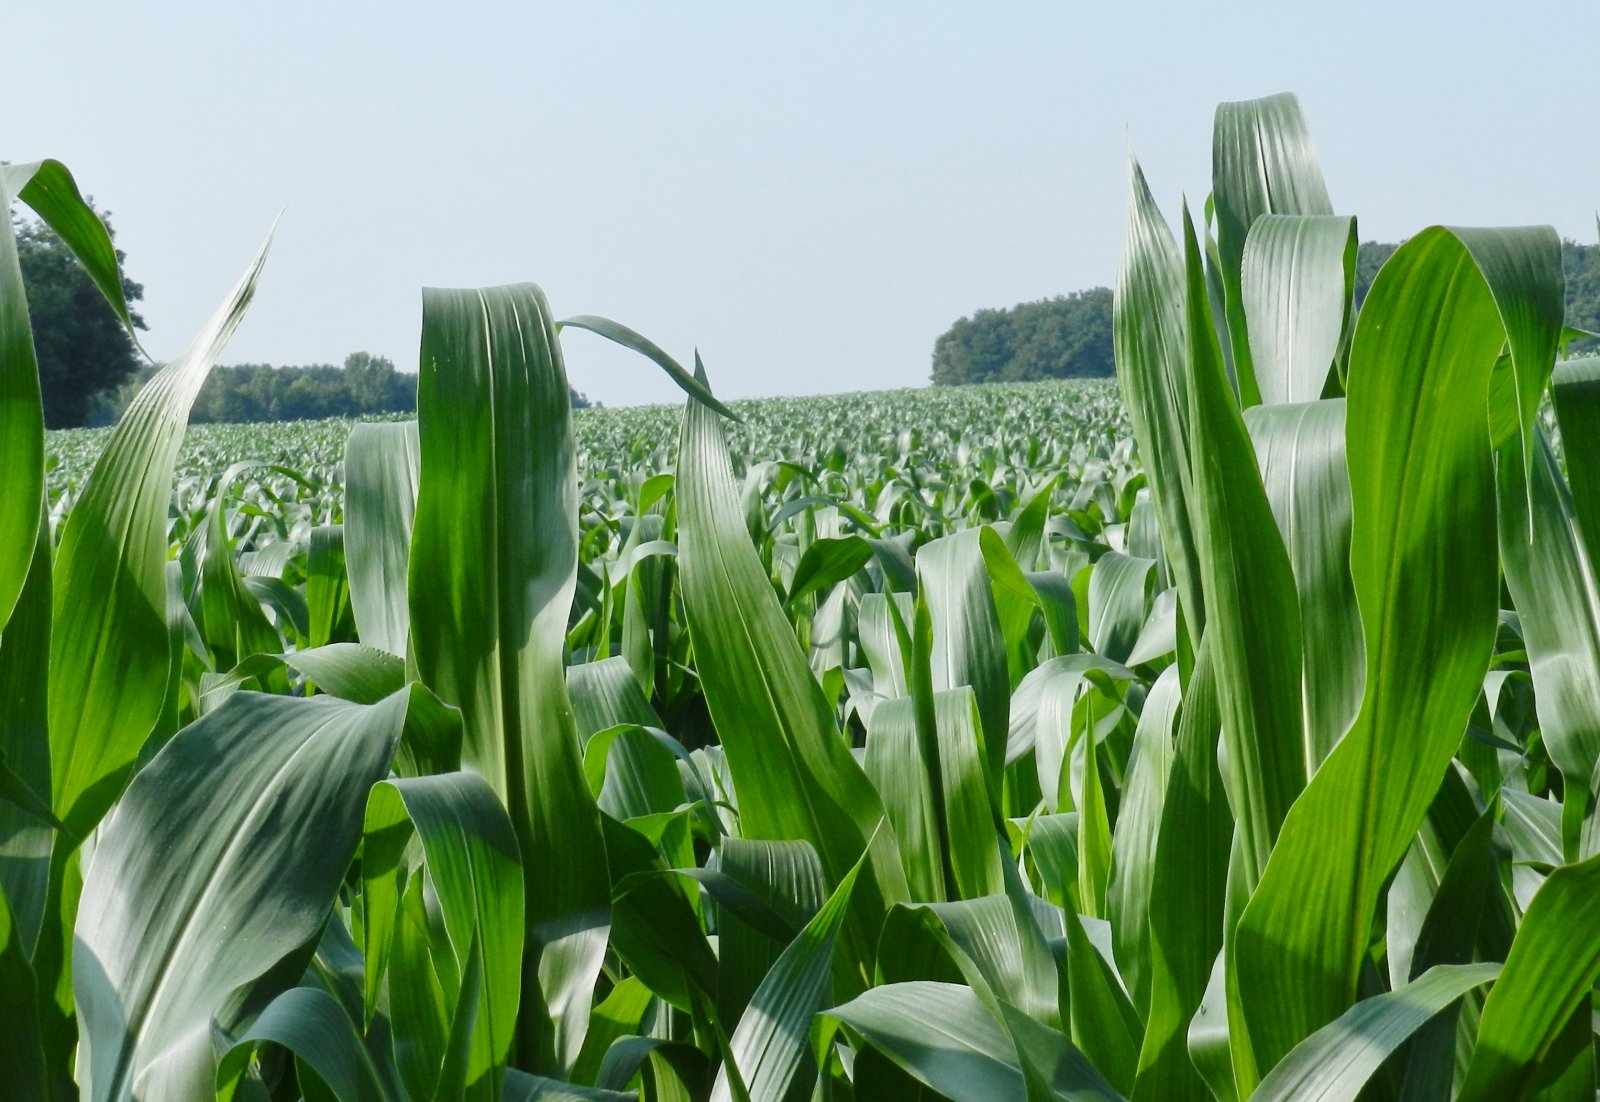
[[83, 350], [1066, 337]]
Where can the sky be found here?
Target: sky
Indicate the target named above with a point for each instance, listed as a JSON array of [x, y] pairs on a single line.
[[808, 193]]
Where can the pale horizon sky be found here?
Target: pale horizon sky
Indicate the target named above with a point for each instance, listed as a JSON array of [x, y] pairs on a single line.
[[810, 193]]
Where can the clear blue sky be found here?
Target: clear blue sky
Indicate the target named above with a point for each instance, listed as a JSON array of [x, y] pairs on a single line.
[[809, 192]]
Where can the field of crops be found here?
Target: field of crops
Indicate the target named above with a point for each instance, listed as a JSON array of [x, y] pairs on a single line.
[[1232, 732]]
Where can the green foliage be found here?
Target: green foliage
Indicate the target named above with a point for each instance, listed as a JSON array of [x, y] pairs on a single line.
[[1066, 337], [969, 742]]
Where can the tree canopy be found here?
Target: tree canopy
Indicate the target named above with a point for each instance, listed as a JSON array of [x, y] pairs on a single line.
[[1069, 336], [83, 350]]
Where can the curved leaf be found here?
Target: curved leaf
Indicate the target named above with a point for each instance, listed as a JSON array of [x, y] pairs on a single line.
[[221, 860]]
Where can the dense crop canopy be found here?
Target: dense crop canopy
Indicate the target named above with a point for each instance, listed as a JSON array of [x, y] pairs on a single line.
[[1050, 742]]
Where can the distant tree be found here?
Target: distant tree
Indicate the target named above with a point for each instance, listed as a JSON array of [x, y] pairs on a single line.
[[84, 352], [1582, 265], [1066, 337]]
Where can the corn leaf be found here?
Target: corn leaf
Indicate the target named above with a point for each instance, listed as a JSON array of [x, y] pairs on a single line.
[[1548, 977], [768, 1047], [796, 778], [944, 1037], [1334, 1063], [221, 860], [1301, 450], [1421, 474], [110, 585], [491, 578], [470, 854], [1252, 608], [1149, 332], [1262, 162], [1296, 278], [380, 464]]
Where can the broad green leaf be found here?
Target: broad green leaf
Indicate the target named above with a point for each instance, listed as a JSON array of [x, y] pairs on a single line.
[[795, 776], [765, 892], [1137, 832], [1149, 330], [328, 587], [470, 854], [381, 475], [618, 1015], [1301, 450], [826, 563], [1187, 892], [1450, 934], [1262, 162], [231, 620], [1548, 977], [942, 1035], [1119, 588], [491, 578], [902, 777], [312, 1025], [1575, 391], [349, 671], [221, 860], [110, 585], [1421, 474], [993, 944], [520, 1086], [768, 1047], [606, 694], [50, 190], [967, 646], [48, 187], [1104, 1023], [1334, 1063], [1297, 273], [1252, 609], [21, 422]]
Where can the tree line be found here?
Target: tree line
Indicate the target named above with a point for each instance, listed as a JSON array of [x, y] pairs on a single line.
[[1069, 336]]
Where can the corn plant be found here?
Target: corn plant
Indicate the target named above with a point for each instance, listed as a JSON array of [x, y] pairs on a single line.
[[980, 744]]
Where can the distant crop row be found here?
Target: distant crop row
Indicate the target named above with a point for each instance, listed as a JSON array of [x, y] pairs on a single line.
[[1239, 740]]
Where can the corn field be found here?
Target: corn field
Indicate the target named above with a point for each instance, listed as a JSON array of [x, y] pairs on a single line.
[[1230, 734]]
